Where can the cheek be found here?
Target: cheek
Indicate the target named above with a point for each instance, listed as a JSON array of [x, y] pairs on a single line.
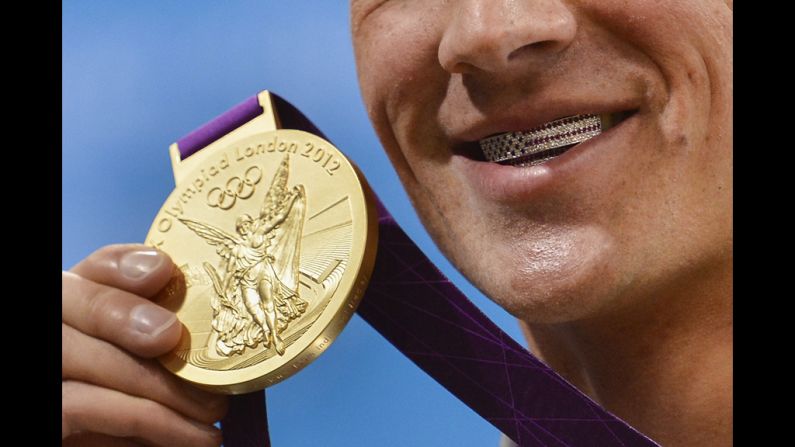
[[688, 42], [402, 85], [688, 46], [396, 53]]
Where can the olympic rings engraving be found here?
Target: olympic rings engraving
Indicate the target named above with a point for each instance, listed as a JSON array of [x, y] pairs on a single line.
[[236, 188]]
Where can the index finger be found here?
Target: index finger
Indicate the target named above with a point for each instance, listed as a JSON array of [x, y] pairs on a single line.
[[135, 268]]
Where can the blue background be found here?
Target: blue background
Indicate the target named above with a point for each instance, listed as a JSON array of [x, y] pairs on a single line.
[[139, 75]]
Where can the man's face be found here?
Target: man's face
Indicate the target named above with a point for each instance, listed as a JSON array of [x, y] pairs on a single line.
[[629, 214]]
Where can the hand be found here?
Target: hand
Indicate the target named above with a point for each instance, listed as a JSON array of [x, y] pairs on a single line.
[[114, 392]]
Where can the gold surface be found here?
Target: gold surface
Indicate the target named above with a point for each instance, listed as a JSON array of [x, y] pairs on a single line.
[[275, 235]]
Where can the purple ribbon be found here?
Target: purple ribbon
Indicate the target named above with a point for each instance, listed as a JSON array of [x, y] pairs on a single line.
[[246, 422], [219, 126], [414, 306], [424, 315]]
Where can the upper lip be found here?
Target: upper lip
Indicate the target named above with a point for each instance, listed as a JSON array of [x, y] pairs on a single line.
[[525, 116]]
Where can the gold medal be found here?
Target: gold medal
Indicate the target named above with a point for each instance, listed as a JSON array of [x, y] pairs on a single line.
[[274, 232]]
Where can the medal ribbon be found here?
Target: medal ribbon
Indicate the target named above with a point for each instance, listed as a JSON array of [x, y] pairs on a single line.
[[417, 309]]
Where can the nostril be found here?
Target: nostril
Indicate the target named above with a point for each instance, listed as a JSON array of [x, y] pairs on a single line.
[[547, 46]]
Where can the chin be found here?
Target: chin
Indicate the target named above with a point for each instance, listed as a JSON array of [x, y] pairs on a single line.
[[549, 281], [554, 300]]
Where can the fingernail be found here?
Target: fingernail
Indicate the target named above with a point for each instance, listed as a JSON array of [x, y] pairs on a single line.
[[139, 263], [150, 319]]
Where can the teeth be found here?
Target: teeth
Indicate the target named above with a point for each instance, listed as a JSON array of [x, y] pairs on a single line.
[[555, 134], [608, 121]]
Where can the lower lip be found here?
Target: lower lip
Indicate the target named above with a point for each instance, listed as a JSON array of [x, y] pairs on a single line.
[[511, 184]]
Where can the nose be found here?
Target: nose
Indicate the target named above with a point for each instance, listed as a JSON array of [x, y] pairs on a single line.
[[499, 35]]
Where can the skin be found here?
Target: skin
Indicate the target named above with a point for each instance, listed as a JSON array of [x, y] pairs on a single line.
[[617, 262], [114, 391]]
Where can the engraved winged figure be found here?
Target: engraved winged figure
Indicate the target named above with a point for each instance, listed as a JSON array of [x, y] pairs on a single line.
[[256, 292]]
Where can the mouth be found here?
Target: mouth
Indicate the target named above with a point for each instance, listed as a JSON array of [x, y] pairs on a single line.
[[542, 143]]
